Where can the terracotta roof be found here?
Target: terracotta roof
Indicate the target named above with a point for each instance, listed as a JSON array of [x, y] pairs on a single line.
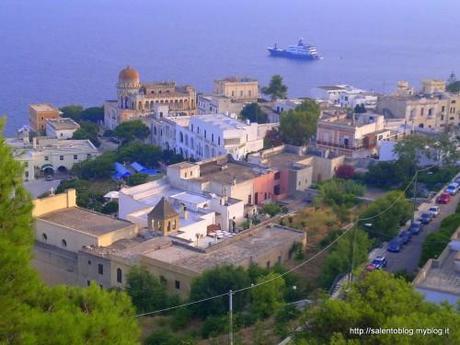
[[163, 210]]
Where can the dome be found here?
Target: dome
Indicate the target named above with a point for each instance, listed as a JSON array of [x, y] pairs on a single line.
[[128, 74]]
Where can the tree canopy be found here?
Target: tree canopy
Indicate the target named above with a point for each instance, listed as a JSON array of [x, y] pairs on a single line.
[[299, 125], [217, 281], [254, 113], [131, 130], [379, 301], [387, 224], [276, 89], [88, 130], [79, 114], [454, 87], [339, 260], [146, 291], [32, 313], [339, 192]]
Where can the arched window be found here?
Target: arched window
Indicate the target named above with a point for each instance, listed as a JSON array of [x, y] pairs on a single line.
[[119, 275], [64, 243]]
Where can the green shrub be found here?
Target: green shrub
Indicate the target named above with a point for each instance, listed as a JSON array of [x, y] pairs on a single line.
[[213, 326]]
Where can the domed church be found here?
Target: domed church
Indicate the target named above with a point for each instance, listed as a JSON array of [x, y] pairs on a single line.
[[136, 100]]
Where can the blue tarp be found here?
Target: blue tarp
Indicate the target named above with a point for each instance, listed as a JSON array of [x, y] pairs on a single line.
[[139, 168], [120, 172]]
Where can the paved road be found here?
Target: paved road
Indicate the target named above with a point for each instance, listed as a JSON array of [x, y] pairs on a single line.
[[409, 256]]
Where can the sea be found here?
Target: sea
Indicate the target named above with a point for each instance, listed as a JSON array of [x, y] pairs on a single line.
[[70, 51]]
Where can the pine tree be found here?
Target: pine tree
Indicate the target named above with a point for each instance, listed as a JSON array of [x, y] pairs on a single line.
[[31, 313]]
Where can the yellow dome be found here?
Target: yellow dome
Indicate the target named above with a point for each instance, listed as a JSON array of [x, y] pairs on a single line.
[[128, 74]]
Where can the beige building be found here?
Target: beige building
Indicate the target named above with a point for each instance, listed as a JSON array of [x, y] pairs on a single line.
[[138, 100], [76, 246], [62, 229], [61, 128], [439, 279], [46, 156], [212, 104], [431, 110], [237, 89], [356, 136], [39, 113]]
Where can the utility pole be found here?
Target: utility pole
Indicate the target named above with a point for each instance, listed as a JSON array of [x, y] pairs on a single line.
[[414, 201], [230, 317]]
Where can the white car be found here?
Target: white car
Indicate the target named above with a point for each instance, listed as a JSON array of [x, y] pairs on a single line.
[[452, 188], [434, 210]]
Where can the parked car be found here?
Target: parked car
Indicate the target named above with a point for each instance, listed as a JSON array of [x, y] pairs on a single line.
[[395, 245], [434, 210], [426, 218], [444, 198], [415, 228], [115, 140], [457, 180], [452, 188], [405, 236], [377, 264]]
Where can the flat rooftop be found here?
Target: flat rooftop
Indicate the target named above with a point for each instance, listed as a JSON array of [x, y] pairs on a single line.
[[231, 172], [86, 221], [43, 107], [55, 145], [219, 120], [235, 251], [63, 124], [285, 160], [443, 277]]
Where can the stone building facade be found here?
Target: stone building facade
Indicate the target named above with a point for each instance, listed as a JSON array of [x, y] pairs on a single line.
[[137, 100]]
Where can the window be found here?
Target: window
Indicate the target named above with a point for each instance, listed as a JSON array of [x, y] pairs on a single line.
[[46, 158], [249, 93], [422, 111], [205, 133], [26, 164], [64, 243], [249, 199], [218, 140], [26, 174], [212, 138], [88, 283], [279, 259], [61, 158], [45, 237], [443, 108], [119, 275], [75, 156], [177, 284], [241, 93], [277, 175], [268, 264], [100, 269]]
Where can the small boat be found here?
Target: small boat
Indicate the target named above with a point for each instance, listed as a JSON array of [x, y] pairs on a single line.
[[300, 51]]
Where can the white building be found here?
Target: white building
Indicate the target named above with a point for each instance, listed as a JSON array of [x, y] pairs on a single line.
[[198, 210], [46, 156], [214, 104], [282, 105], [348, 96], [61, 128], [206, 136]]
